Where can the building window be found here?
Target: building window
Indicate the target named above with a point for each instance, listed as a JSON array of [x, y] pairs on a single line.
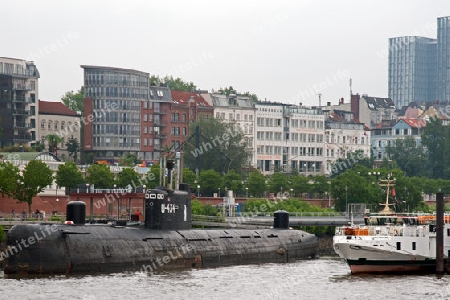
[[56, 125], [50, 125], [43, 125]]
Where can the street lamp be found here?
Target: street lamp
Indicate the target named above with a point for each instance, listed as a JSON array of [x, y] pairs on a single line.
[[219, 192], [198, 191], [143, 188], [291, 192], [87, 187], [346, 200], [57, 205], [377, 174], [246, 192], [405, 198]]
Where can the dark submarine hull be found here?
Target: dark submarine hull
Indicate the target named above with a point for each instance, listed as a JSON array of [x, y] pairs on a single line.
[[69, 249], [165, 241]]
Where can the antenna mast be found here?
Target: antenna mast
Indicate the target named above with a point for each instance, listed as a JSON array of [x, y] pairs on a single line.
[[320, 101]]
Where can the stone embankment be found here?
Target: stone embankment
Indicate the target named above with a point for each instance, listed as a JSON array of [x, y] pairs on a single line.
[[326, 245]]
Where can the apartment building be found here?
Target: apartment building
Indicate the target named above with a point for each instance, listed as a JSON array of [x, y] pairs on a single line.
[[56, 118], [289, 138], [153, 115], [344, 137], [112, 108], [185, 108], [18, 102], [372, 110], [241, 110]]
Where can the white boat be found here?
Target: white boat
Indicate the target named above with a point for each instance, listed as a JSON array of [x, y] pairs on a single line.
[[394, 243]]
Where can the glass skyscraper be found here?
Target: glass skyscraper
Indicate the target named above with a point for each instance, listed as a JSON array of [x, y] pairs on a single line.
[[419, 67], [412, 70], [443, 58]]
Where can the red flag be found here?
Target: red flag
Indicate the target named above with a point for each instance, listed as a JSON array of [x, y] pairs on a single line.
[[393, 192]]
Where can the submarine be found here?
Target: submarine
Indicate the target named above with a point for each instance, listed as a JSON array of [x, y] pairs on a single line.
[[164, 241]]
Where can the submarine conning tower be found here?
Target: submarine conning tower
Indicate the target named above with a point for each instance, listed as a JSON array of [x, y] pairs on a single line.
[[167, 209], [281, 219]]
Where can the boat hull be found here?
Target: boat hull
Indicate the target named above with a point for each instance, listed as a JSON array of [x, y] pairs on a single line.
[[66, 249], [379, 255], [392, 266]]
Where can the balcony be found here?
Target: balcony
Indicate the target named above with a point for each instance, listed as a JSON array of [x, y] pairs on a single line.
[[21, 87], [159, 125], [160, 136], [22, 125], [22, 138], [22, 99], [21, 112]]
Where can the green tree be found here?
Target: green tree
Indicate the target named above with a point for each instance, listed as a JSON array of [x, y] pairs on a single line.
[[189, 176], [53, 141], [38, 146], [9, 175], [74, 101], [128, 176], [299, 184], [408, 156], [100, 175], [278, 183], [34, 179], [175, 84], [68, 175], [209, 182], [73, 147], [435, 138], [232, 181], [320, 185], [256, 184], [221, 147], [152, 177], [230, 90], [130, 160]]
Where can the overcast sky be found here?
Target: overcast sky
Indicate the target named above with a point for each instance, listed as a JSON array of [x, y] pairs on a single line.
[[285, 51]]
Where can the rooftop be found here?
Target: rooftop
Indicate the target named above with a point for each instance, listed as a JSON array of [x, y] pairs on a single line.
[[55, 108]]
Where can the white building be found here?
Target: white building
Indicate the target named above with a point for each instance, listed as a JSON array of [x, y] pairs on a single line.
[[239, 109], [289, 138], [343, 138], [56, 118]]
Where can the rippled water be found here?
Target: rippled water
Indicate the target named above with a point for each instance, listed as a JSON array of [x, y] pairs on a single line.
[[325, 278]]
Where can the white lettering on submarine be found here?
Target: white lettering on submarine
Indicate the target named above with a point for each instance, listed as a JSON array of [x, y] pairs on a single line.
[[169, 207], [154, 196]]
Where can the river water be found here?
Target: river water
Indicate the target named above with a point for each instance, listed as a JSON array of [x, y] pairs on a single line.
[[324, 278]]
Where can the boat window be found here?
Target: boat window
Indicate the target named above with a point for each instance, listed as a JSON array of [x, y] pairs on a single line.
[[448, 231], [432, 228], [413, 245], [399, 246]]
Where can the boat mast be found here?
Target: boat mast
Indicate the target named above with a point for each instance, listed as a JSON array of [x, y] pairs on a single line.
[[387, 183]]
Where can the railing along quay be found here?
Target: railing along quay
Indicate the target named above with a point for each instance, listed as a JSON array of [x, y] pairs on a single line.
[[295, 219]]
